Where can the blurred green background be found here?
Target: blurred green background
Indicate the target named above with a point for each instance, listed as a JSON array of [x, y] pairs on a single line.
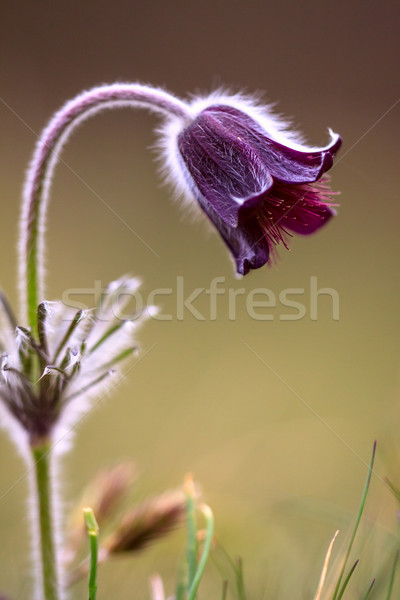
[[276, 419]]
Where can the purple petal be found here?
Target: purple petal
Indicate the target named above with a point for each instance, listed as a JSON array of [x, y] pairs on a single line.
[[307, 219], [284, 163], [224, 169], [254, 189], [248, 244]]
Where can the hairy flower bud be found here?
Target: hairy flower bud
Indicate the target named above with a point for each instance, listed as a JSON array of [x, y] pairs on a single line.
[[49, 380]]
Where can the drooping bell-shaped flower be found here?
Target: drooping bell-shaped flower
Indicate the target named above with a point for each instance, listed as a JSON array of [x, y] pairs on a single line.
[[256, 183]]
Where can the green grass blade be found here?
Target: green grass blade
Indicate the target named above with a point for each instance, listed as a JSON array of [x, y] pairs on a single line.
[[393, 489], [240, 580], [93, 531], [206, 510], [181, 585], [237, 568], [191, 550], [392, 576], [368, 590], [357, 523], [224, 590], [346, 581]]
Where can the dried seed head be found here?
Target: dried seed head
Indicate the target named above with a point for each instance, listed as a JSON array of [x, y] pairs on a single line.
[[106, 491], [104, 495], [147, 522]]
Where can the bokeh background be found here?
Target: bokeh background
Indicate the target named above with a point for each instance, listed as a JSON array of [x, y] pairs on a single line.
[[276, 419]]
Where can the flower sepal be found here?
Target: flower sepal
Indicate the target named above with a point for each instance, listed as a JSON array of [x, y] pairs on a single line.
[[49, 378]]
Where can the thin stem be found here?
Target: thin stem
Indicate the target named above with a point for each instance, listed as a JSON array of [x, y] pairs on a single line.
[[93, 531], [50, 143], [206, 510], [392, 576], [357, 523], [191, 550], [325, 568], [50, 584]]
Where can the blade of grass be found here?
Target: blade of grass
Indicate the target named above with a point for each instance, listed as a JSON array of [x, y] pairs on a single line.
[[369, 590], [93, 531], [207, 512], [237, 569], [224, 590], [325, 568], [392, 576], [181, 587], [393, 489], [191, 551], [347, 579], [240, 580], [358, 519]]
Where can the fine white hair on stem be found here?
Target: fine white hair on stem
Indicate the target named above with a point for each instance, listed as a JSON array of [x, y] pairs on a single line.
[[58, 508], [56, 512], [16, 433], [33, 508], [46, 155]]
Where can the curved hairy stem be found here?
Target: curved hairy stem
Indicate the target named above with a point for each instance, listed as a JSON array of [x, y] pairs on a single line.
[[36, 191], [31, 278]]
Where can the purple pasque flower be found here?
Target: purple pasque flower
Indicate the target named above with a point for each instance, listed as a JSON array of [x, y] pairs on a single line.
[[256, 182]]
